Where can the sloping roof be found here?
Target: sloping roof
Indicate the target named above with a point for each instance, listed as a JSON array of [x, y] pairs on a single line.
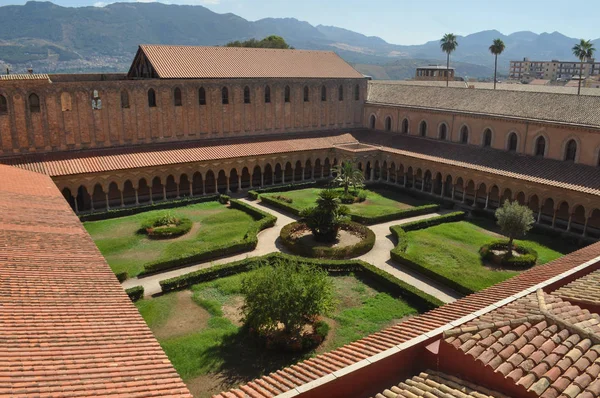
[[549, 107], [582, 290], [67, 328], [25, 76], [195, 62]]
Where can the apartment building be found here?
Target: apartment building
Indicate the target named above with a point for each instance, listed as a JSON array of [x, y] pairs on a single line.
[[552, 70]]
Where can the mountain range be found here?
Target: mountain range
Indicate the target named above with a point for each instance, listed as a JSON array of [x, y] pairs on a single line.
[[51, 38]]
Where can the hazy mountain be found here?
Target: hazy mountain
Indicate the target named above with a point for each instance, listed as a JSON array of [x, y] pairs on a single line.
[[53, 38]]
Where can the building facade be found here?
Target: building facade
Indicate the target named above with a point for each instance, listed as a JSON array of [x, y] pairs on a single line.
[[553, 70], [434, 73]]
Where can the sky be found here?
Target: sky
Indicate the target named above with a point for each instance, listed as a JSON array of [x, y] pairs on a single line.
[[410, 21]]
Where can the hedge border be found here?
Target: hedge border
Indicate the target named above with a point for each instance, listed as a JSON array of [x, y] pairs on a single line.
[[135, 293], [248, 242], [398, 253], [255, 193], [169, 232], [363, 246], [417, 298], [129, 211], [527, 259]]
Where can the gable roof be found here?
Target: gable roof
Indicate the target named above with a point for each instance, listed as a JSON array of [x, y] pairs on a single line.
[[197, 62]]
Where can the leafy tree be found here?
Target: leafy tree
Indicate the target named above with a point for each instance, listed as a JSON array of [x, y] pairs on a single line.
[[286, 293], [514, 220], [448, 44], [325, 219], [583, 50], [347, 175], [272, 41], [496, 48]]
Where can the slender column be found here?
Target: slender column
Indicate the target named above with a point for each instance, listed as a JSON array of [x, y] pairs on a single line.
[[475, 200], [151, 196], [203, 187], [216, 185], [262, 179], [303, 172], [431, 189], [453, 188], [554, 218], [422, 184], [77, 207], [372, 173], [164, 192], [584, 226], [92, 202], [191, 190], [312, 173], [569, 222], [388, 176], [487, 200], [442, 191], [294, 175], [122, 201], [404, 180], [177, 191], [137, 199], [228, 190], [463, 195], [272, 178], [107, 205], [539, 216], [282, 177], [240, 181]]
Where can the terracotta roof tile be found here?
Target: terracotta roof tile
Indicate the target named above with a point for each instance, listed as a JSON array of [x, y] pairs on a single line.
[[582, 290]]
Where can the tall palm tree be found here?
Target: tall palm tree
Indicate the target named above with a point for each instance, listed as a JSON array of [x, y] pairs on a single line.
[[496, 48], [583, 50], [448, 45]]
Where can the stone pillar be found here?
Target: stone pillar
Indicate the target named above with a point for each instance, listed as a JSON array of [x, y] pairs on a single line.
[[554, 218], [584, 225], [487, 200], [539, 216], [453, 189], [107, 205], [463, 195], [77, 206], [164, 192], [282, 177], [191, 190], [240, 181], [312, 173], [372, 174], [272, 178], [569, 222], [475, 199], [177, 191], [388, 176], [203, 187], [137, 199], [92, 202], [442, 191], [404, 180], [216, 186], [262, 179], [228, 191], [422, 184], [122, 201]]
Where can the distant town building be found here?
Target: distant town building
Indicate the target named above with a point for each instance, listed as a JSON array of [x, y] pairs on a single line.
[[552, 70], [434, 72]]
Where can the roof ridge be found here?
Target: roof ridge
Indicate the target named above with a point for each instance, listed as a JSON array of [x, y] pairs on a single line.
[[493, 325]]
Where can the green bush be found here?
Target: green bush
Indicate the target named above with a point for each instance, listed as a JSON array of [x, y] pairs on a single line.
[[135, 293], [361, 196], [296, 246], [224, 199], [527, 258], [166, 226], [321, 329], [122, 276]]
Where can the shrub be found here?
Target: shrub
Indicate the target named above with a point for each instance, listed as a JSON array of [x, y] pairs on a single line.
[[326, 219], [166, 226], [361, 196], [527, 258], [135, 293], [122, 276], [321, 329], [514, 220], [224, 199], [347, 198], [347, 175]]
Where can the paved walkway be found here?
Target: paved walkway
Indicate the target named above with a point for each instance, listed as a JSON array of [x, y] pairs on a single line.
[[268, 242]]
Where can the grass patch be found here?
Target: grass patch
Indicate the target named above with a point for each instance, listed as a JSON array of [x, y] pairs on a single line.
[[125, 250]]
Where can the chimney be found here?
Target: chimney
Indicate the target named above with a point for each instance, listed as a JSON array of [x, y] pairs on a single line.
[[30, 71]]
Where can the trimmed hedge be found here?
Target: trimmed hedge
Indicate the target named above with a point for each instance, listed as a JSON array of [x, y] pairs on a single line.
[[135, 293], [129, 211], [182, 226], [418, 299], [255, 193], [365, 245], [445, 203], [398, 253], [527, 258], [122, 276], [247, 243], [280, 204], [223, 199]]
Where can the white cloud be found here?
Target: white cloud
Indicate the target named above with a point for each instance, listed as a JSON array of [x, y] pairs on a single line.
[[101, 4]]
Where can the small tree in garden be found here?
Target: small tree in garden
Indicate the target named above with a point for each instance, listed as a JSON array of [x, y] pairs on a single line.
[[286, 294], [515, 220], [347, 176], [325, 219]]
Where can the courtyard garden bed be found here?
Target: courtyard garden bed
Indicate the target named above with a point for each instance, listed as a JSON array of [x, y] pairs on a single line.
[[448, 250], [379, 206], [216, 230]]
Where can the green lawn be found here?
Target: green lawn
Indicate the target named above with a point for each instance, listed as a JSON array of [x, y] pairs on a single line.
[[216, 354], [125, 250], [378, 202], [452, 250]]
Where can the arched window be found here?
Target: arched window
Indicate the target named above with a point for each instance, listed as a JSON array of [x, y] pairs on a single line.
[[540, 146], [3, 105], [512, 142], [443, 131], [34, 103], [423, 129], [246, 95], [323, 93], [372, 121], [306, 94], [405, 126], [286, 94], [124, 99], [225, 96], [571, 150], [202, 96], [177, 101], [464, 135], [356, 92], [151, 98], [341, 93], [388, 123], [267, 94], [487, 138]]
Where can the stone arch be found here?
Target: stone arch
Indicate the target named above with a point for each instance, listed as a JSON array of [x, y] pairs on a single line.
[[405, 126], [571, 149], [318, 169], [418, 180], [69, 198], [448, 187], [377, 171], [470, 192], [506, 195], [151, 98], [534, 205], [593, 224], [83, 199], [494, 197], [520, 198], [114, 195], [487, 137], [157, 189], [372, 121], [562, 216], [578, 219], [368, 169], [184, 185], [326, 168], [298, 171], [177, 97], [98, 198], [384, 171], [512, 141], [540, 144], [548, 211], [222, 182], [278, 174], [268, 175], [288, 172], [256, 178], [233, 183], [308, 170], [481, 195], [34, 103], [210, 182], [423, 128], [3, 105], [443, 131], [437, 184], [393, 172], [144, 191], [464, 134], [197, 184], [388, 123], [171, 187], [247, 179], [128, 193], [427, 185]]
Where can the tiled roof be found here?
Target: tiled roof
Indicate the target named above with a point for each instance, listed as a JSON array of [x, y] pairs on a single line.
[[437, 384], [67, 328], [194, 62], [582, 290], [350, 354], [25, 76], [537, 106]]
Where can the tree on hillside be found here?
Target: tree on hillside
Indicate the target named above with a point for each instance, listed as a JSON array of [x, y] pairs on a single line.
[[496, 48], [515, 220], [583, 50], [325, 219], [448, 45], [286, 294], [347, 175], [272, 41]]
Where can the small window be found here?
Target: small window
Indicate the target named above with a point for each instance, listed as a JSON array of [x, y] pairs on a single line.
[[225, 96], [443, 131], [540, 146], [356, 92], [306, 94], [151, 98], [341, 93], [323, 93], [487, 138], [372, 121], [267, 95], [246, 95], [34, 103], [202, 96], [464, 135], [388, 124], [3, 105], [423, 129], [177, 101], [286, 94], [571, 151], [512, 142], [405, 126], [65, 102], [124, 99]]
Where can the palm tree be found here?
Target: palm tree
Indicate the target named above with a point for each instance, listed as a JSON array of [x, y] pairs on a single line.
[[347, 175], [496, 48], [583, 50], [448, 45]]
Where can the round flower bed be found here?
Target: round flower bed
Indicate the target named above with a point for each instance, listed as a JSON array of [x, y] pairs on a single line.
[[299, 240], [497, 253], [166, 226], [311, 337], [353, 197]]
